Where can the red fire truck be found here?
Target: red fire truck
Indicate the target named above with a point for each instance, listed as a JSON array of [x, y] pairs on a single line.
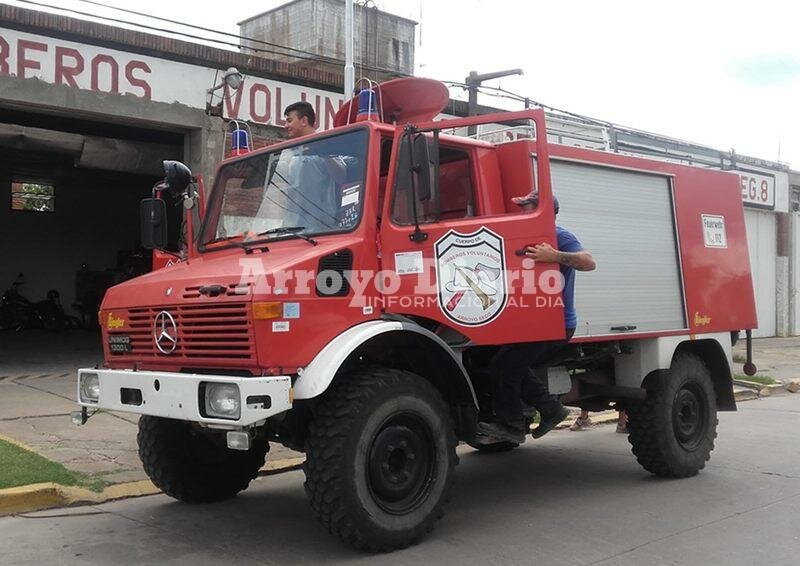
[[345, 291]]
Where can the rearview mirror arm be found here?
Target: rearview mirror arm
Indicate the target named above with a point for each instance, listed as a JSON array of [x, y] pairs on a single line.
[[418, 235], [437, 202], [158, 191]]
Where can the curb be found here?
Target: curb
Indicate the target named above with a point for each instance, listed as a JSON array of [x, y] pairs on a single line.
[[773, 390], [745, 395], [748, 384], [40, 496], [597, 419], [17, 443], [30, 498], [280, 466], [764, 390]]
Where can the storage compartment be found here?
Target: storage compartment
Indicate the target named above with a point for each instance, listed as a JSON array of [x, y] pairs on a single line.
[[626, 219]]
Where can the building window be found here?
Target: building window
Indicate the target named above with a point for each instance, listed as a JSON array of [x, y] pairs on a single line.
[[36, 197], [406, 56], [396, 52]]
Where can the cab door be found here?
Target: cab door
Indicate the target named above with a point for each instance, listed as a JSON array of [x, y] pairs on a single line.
[[454, 256]]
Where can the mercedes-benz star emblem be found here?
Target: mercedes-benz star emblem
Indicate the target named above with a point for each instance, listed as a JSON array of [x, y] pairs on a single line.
[[165, 332]]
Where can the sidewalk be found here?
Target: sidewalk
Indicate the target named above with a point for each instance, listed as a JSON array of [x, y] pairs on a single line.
[[35, 407], [779, 358], [34, 411], [37, 394]]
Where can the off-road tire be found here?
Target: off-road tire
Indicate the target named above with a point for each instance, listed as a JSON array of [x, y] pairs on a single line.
[[191, 466], [665, 437], [7, 319], [494, 448], [349, 462]]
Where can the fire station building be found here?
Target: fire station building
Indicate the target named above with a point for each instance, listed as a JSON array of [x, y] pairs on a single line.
[[88, 112]]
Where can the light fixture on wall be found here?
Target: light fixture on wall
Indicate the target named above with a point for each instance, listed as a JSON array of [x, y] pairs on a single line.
[[232, 79]]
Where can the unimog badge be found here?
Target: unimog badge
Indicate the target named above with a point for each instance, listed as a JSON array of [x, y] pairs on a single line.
[[470, 279]]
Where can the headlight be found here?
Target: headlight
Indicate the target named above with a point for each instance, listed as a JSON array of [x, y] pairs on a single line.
[[223, 401], [90, 387]]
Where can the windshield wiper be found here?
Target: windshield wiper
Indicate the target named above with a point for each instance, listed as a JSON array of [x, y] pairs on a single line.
[[294, 230], [246, 245], [218, 239]]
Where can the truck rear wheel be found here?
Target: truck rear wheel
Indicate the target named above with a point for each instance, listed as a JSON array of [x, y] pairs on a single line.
[[380, 459], [672, 432], [193, 466]]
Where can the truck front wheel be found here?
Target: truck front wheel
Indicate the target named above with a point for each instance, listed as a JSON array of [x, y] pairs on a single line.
[[672, 432], [380, 459], [193, 465]]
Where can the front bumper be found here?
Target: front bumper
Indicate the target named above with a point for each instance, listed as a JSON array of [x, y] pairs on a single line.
[[177, 395]]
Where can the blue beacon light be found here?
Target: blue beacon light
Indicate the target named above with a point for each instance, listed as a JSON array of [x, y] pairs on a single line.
[[367, 106]]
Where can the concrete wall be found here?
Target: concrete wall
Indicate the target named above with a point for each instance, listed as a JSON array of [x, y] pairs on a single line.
[[318, 26], [794, 253], [290, 25], [204, 135]]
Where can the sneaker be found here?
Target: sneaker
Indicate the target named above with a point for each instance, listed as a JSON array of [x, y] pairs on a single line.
[[549, 422], [581, 424], [502, 432]]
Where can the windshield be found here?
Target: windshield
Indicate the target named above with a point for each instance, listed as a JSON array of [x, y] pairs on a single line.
[[313, 188]]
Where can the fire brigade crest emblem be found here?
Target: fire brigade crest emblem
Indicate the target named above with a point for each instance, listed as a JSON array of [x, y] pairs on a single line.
[[471, 276]]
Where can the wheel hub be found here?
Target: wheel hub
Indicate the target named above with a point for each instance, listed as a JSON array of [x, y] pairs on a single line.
[[400, 464], [689, 416]]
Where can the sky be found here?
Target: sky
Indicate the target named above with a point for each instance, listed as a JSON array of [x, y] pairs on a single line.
[[722, 74]]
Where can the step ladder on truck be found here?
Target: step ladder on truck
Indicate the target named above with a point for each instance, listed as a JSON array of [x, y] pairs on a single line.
[[345, 291]]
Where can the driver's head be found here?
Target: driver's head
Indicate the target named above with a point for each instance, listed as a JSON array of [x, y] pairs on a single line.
[[300, 119]]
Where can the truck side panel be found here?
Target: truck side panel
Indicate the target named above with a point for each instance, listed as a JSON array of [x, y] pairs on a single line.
[[643, 356], [711, 234]]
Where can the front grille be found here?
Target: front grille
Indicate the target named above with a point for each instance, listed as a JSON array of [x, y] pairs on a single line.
[[233, 290], [205, 332]]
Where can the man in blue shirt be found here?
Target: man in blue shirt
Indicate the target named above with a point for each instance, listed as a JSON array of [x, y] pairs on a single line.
[[510, 366]]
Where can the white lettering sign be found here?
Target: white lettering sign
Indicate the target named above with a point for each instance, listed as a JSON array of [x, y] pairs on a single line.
[[757, 190], [89, 67], [406, 263], [714, 234]]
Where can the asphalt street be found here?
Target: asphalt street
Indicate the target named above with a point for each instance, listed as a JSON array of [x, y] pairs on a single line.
[[569, 498]]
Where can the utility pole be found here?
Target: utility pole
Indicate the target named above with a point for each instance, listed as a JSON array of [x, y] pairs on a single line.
[[473, 81], [349, 69]]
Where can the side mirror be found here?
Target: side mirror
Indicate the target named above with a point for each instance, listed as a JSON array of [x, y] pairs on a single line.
[[153, 215], [421, 165], [177, 176]]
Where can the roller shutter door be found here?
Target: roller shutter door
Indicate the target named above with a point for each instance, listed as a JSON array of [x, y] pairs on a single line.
[[625, 219], [761, 243]]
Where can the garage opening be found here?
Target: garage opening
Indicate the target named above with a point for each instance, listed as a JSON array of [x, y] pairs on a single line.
[[69, 229]]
